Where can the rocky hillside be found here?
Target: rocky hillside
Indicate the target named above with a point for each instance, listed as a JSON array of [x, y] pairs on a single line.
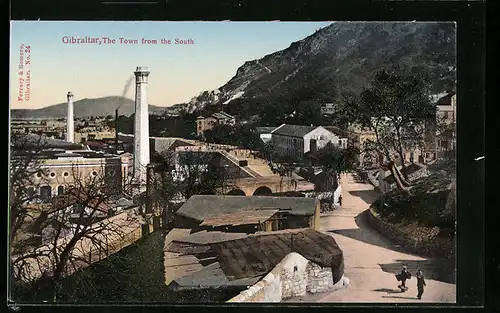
[[86, 107], [338, 59]]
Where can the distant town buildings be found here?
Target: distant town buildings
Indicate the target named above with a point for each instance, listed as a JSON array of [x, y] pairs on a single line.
[[206, 123], [83, 137], [296, 140]]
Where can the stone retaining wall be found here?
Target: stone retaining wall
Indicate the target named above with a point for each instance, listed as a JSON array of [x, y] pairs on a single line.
[[427, 244], [294, 276]]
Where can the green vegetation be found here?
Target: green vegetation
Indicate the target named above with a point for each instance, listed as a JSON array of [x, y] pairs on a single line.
[[133, 274], [430, 202], [243, 135], [396, 108]]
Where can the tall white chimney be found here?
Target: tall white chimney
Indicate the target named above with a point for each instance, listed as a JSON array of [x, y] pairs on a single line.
[[141, 125], [70, 128]]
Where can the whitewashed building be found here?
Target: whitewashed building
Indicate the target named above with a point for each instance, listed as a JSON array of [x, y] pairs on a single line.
[[296, 140]]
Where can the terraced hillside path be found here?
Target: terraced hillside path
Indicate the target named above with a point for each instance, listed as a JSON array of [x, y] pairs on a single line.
[[371, 260]]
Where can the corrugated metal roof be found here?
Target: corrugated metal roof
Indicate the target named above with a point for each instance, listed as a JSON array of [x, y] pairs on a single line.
[[257, 255], [204, 237], [177, 265], [212, 276], [294, 130], [239, 218], [198, 207]]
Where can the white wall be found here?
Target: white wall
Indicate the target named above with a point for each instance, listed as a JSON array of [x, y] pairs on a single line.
[[294, 276], [337, 193], [317, 134], [266, 137]]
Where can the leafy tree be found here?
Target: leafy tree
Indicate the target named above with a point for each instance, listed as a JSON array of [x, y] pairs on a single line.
[[242, 135], [396, 108], [334, 160]]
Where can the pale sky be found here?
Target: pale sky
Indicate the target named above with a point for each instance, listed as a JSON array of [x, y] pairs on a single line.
[[178, 72]]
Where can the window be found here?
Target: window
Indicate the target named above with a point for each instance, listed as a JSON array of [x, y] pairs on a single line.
[[52, 174], [38, 175], [60, 190], [94, 173], [66, 174], [30, 192], [45, 192]]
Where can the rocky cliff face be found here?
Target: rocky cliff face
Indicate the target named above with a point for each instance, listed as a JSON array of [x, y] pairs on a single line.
[[342, 58]]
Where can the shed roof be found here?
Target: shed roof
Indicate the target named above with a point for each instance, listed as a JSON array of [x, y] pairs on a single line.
[[239, 218], [211, 276], [245, 260], [198, 207], [177, 265], [204, 237], [258, 254], [294, 130]]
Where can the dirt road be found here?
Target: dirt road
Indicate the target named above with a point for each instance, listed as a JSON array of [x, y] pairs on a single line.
[[371, 261]]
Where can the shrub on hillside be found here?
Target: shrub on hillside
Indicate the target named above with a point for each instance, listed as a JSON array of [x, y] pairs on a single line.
[[427, 203]]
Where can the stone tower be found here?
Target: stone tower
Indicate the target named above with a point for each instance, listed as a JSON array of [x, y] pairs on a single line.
[[141, 124], [70, 128]]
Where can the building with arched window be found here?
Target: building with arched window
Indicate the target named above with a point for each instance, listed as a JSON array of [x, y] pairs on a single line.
[[63, 164]]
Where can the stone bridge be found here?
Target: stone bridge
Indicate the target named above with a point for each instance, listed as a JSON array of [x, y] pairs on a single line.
[[265, 186]]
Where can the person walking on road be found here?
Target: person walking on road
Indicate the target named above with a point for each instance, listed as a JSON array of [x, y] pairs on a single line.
[[403, 276], [420, 284]]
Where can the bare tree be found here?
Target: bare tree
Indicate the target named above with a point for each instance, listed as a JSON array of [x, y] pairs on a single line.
[[26, 176], [77, 227], [198, 173]]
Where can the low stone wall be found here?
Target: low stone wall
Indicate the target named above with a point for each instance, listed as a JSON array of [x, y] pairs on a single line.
[[294, 276], [427, 244]]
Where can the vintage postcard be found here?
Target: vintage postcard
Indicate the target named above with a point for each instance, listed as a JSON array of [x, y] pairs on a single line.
[[188, 162]]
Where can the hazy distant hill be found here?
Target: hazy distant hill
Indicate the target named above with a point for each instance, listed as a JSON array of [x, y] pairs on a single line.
[[87, 107]]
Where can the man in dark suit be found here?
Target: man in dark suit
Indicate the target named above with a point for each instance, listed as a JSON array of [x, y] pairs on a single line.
[[420, 284]]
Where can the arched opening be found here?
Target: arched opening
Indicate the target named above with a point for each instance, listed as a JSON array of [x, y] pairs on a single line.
[[45, 192], [263, 191], [60, 190], [236, 192], [31, 192]]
